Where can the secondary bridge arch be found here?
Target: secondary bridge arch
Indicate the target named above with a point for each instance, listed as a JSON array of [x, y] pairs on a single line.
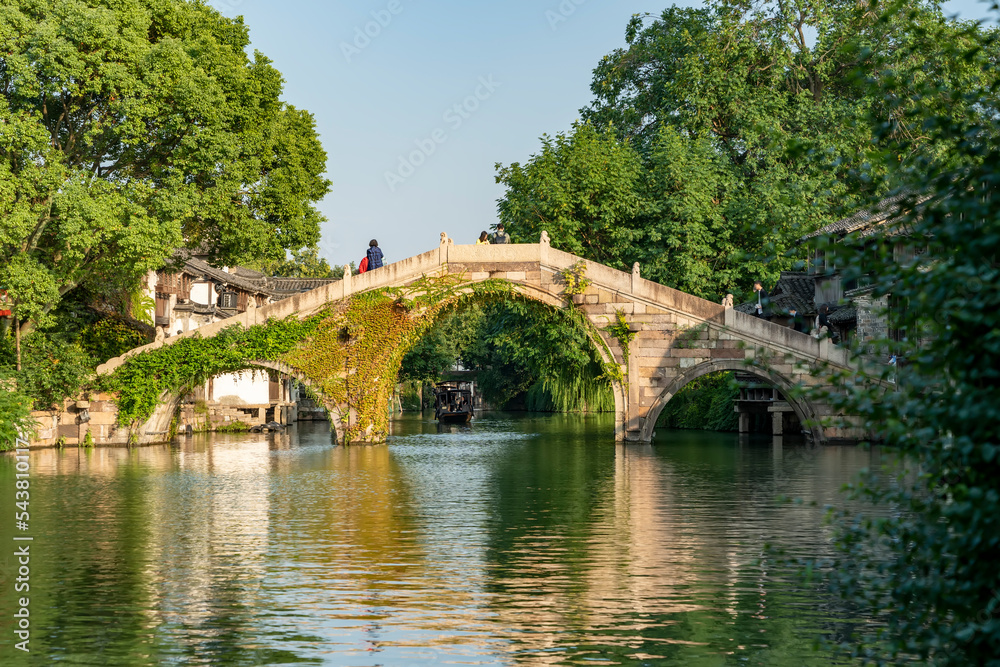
[[803, 408], [677, 336]]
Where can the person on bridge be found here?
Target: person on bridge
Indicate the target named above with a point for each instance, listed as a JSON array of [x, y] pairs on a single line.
[[374, 255], [501, 236], [796, 321], [763, 301], [484, 239]]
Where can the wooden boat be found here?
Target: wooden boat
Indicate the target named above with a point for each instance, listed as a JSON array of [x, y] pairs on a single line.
[[453, 402]]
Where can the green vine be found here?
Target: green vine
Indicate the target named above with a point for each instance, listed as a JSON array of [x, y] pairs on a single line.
[[575, 278], [173, 369], [622, 332], [378, 329]]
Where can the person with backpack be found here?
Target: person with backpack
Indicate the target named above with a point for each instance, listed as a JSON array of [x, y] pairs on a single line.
[[374, 255], [501, 236]]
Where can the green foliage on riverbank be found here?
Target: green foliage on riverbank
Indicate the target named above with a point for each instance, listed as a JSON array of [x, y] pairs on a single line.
[[705, 404], [15, 417], [923, 562], [51, 368]]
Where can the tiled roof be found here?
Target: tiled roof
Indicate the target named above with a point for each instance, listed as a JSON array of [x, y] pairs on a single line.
[[793, 290], [796, 290], [868, 220], [297, 285], [844, 315], [249, 280], [198, 268], [244, 272]]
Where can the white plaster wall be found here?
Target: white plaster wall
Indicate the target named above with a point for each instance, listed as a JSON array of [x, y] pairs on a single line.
[[202, 293], [246, 388]]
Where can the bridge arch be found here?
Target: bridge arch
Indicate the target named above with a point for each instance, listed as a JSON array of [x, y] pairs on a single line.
[[802, 407], [545, 295]]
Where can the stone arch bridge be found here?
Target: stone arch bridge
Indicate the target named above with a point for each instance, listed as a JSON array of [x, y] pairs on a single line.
[[677, 337]]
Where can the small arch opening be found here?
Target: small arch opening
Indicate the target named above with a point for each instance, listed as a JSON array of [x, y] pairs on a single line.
[[761, 401]]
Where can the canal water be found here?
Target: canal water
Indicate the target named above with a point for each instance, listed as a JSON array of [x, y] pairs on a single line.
[[529, 540]]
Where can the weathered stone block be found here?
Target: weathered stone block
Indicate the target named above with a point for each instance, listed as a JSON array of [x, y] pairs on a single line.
[[516, 275], [650, 352], [106, 418], [653, 340], [726, 353], [689, 353], [654, 318], [658, 362]]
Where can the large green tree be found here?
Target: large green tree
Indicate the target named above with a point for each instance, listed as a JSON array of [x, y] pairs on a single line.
[[924, 562], [721, 135], [132, 128]]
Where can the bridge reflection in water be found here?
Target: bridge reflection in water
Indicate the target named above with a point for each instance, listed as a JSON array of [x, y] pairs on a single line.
[[532, 540]]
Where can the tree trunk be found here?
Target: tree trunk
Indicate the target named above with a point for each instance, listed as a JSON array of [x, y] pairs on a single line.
[[420, 396], [17, 343]]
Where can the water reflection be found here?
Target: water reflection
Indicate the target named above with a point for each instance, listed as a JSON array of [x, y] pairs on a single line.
[[518, 540]]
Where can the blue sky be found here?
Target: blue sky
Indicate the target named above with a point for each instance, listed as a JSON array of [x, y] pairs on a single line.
[[417, 100]]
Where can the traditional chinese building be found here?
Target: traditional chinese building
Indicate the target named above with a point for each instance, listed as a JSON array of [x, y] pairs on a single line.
[[197, 294]]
